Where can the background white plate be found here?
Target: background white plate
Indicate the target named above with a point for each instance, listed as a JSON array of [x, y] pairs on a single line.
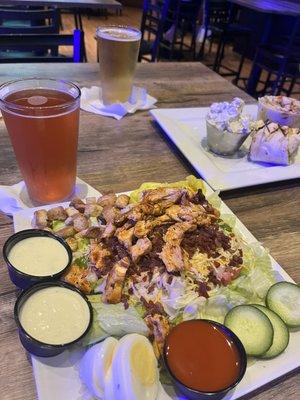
[[57, 378], [186, 127]]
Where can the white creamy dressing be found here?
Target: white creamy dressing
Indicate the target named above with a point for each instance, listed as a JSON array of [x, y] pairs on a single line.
[[39, 256], [55, 315]]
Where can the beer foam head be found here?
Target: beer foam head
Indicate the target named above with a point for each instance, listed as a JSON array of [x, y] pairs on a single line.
[[119, 33]]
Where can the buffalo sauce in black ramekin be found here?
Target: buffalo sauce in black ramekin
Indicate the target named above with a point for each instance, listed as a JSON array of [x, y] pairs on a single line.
[[202, 356]]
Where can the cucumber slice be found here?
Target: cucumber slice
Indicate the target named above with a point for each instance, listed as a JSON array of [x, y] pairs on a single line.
[[284, 299], [252, 327], [281, 333]]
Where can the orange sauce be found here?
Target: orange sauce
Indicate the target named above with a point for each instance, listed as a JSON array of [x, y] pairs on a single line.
[[202, 357]]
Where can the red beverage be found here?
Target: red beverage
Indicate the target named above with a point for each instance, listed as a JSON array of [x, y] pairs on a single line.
[[43, 127]]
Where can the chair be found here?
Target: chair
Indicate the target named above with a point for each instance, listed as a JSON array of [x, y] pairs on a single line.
[[13, 45], [281, 60], [153, 21], [182, 19], [221, 18], [29, 21]]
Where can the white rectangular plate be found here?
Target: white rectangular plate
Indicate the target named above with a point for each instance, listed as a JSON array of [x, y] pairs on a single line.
[[57, 377], [186, 128]]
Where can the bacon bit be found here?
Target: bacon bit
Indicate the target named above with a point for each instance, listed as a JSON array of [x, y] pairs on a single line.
[[216, 264], [124, 300], [152, 308], [151, 288], [130, 291], [202, 290], [145, 278], [235, 261], [170, 279]]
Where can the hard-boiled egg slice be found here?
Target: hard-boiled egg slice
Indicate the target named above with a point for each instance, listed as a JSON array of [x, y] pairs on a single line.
[[162, 394], [95, 365], [134, 369]]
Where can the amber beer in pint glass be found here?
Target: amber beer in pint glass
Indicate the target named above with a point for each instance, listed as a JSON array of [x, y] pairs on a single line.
[[42, 119], [118, 48]]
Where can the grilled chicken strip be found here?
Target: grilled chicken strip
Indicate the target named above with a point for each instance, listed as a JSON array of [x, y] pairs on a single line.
[[122, 201], [76, 276], [109, 231], [171, 253], [98, 254], [125, 236], [142, 246], [162, 194], [115, 281], [192, 212], [159, 327]]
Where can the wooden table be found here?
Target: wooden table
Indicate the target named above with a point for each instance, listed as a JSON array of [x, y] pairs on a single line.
[[281, 7], [95, 4], [120, 155]]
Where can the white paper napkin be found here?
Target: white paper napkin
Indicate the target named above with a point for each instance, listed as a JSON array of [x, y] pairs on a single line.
[[91, 100], [15, 198]]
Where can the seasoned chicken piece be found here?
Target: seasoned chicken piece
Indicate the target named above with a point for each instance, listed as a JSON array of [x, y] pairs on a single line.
[[72, 242], [66, 232], [191, 212], [93, 210], [78, 204], [57, 213], [142, 246], [92, 232], [40, 219], [76, 276], [80, 223], [135, 214], [171, 253], [107, 200], [115, 281], [91, 200], [163, 194], [110, 214], [71, 211], [122, 201], [98, 254], [160, 220], [125, 236], [159, 328], [142, 228], [172, 257], [109, 231], [175, 232]]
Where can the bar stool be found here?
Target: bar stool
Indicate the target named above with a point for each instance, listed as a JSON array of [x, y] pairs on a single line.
[[281, 60], [221, 19]]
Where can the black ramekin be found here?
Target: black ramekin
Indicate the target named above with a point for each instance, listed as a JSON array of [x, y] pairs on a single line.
[[33, 345], [193, 394], [21, 279]]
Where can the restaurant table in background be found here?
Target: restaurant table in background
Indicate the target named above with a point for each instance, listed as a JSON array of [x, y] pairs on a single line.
[[120, 155], [269, 9], [95, 4]]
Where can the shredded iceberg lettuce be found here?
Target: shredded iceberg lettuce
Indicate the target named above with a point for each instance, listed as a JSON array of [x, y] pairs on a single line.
[[118, 321]]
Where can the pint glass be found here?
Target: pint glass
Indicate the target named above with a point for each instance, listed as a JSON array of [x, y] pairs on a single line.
[[42, 119], [118, 48]]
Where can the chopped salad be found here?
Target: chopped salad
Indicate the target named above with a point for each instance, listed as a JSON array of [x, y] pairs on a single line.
[[159, 256]]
